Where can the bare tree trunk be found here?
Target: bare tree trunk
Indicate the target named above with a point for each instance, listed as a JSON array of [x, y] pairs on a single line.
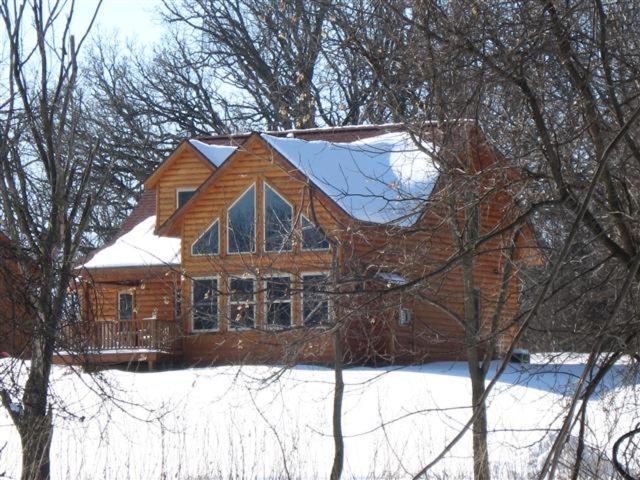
[[468, 239], [35, 425], [479, 411], [338, 393]]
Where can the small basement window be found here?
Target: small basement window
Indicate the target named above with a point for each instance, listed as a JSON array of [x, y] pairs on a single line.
[[183, 195], [404, 316]]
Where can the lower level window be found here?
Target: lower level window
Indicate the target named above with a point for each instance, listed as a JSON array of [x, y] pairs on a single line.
[[278, 301], [315, 301], [205, 304], [125, 306], [242, 305]]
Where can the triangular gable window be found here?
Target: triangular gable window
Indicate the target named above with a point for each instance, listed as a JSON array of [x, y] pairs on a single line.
[[278, 214], [241, 232], [209, 242], [313, 238]]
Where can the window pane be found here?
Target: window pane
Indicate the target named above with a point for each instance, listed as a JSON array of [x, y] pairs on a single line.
[[125, 306], [278, 297], [241, 230], [205, 304], [315, 301], [241, 303], [241, 289], [279, 314], [278, 288], [277, 221], [184, 196], [313, 238], [207, 244]]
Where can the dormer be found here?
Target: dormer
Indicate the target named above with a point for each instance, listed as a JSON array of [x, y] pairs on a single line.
[[179, 176]]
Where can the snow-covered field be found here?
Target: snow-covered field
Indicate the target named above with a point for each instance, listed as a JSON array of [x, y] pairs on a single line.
[[261, 422]]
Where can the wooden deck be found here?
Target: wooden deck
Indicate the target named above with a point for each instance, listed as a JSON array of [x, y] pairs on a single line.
[[107, 343]]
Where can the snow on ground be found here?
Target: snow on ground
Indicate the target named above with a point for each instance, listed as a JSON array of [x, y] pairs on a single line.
[[140, 247], [230, 422]]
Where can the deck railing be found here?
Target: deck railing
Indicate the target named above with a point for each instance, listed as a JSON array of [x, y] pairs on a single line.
[[149, 333]]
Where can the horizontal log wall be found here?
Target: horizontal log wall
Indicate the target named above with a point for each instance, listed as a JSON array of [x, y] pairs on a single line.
[[186, 171]]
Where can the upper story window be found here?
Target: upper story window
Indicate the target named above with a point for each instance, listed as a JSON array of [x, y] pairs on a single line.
[[241, 230], [242, 303], [183, 195], [204, 304], [313, 238], [278, 214], [278, 301], [209, 242], [315, 300]]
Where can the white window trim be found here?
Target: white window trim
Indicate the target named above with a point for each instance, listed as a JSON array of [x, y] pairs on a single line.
[[303, 216], [329, 302], [264, 218], [133, 306], [255, 220], [230, 304], [217, 329], [183, 189], [265, 301], [202, 235]]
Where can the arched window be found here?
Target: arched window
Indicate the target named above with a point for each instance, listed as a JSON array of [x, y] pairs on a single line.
[[209, 242], [241, 230], [313, 238], [278, 214]]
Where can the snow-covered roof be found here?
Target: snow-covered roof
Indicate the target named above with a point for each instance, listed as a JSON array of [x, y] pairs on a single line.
[[139, 247], [216, 154], [391, 278], [382, 179]]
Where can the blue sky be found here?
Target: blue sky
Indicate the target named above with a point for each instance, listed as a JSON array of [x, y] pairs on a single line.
[[131, 20]]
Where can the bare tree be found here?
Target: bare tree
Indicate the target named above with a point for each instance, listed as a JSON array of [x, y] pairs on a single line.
[[47, 194], [554, 86]]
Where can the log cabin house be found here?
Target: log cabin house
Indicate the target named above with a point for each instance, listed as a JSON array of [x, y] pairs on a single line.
[[256, 247]]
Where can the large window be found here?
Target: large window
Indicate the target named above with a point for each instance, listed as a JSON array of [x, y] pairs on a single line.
[[242, 303], [125, 306], [208, 242], [204, 305], [183, 195], [278, 301], [278, 214], [241, 231], [315, 300], [313, 238]]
